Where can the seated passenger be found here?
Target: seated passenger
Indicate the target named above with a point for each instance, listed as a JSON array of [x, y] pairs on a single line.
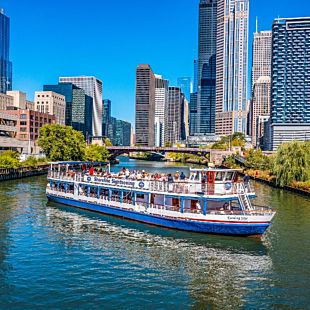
[[182, 176]]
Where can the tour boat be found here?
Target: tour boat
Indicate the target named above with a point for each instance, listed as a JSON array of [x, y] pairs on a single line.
[[211, 200]]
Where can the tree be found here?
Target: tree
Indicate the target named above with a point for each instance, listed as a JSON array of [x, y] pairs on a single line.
[[60, 142], [292, 163], [238, 139], [96, 153], [107, 142], [9, 159], [257, 160]]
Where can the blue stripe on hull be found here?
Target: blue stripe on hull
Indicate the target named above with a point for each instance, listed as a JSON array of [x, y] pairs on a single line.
[[194, 226]]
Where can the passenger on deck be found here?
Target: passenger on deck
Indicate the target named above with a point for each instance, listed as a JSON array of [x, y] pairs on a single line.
[[170, 178], [182, 176]]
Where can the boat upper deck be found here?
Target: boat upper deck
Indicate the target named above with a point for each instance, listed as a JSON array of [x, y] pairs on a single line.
[[217, 182]]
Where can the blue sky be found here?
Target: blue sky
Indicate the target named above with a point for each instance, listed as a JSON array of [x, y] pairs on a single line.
[[109, 38]]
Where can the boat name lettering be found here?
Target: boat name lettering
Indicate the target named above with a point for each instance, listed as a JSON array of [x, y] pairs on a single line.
[[110, 181], [238, 218]]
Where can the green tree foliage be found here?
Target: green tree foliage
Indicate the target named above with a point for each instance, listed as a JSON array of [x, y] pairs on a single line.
[[257, 160], [107, 142], [61, 142], [292, 163], [9, 159], [96, 153], [30, 162], [238, 139]]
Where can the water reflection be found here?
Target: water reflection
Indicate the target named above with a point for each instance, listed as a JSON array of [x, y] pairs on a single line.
[[215, 269]]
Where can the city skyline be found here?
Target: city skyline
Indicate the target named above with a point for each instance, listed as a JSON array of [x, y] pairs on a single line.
[[29, 76]]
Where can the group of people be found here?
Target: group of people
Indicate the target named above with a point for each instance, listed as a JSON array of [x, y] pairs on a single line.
[[137, 175]]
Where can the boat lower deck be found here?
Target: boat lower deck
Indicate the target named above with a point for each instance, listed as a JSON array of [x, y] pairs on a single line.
[[214, 222]]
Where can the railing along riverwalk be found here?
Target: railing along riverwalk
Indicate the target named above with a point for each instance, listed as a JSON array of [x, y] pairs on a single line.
[[22, 172]]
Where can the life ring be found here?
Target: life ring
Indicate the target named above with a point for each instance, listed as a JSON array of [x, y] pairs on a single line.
[[141, 184], [228, 186]]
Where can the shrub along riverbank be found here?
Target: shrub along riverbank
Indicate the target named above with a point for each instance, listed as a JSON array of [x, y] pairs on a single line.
[[290, 166]]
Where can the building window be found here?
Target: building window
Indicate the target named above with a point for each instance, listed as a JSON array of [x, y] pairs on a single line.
[[23, 129], [23, 123], [23, 116]]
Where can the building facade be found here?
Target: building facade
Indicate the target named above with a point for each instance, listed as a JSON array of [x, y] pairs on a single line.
[[5, 63], [193, 114], [232, 66], [51, 103], [185, 83], [207, 41], [30, 122], [106, 116], [122, 133], [261, 55], [290, 81], [161, 99], [173, 121], [6, 101], [145, 106], [93, 89], [259, 108]]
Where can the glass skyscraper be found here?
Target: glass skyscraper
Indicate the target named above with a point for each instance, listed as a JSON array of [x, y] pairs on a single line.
[[106, 116], [93, 90], [290, 80], [232, 66], [206, 67], [5, 63], [185, 83], [78, 106]]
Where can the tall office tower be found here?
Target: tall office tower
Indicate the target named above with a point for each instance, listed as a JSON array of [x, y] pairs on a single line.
[[173, 116], [260, 107], [51, 103], [161, 98], [195, 84], [93, 89], [185, 83], [145, 105], [106, 116], [261, 72], [261, 55], [193, 114], [122, 133], [206, 66], [290, 80], [231, 66], [5, 63], [184, 118], [112, 130]]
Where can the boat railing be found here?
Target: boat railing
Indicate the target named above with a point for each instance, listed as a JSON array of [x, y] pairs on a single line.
[[175, 186]]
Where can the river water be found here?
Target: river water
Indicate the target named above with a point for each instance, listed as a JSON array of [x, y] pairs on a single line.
[[55, 257]]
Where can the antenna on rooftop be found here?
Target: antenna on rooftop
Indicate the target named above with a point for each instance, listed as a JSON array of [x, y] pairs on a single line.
[[256, 24]]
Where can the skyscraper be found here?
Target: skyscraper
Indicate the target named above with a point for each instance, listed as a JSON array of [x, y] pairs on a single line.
[[231, 66], [161, 98], [106, 116], [5, 63], [78, 106], [290, 82], [193, 114], [145, 105], [261, 55], [195, 85], [260, 107], [206, 66], [185, 83], [93, 89], [173, 122], [261, 73]]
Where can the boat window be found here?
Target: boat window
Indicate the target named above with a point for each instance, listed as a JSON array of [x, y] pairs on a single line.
[[229, 175], [219, 176], [197, 177], [140, 196]]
